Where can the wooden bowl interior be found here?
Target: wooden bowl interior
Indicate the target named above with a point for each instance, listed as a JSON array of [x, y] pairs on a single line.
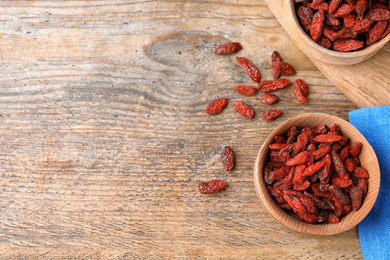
[[316, 51], [368, 160]]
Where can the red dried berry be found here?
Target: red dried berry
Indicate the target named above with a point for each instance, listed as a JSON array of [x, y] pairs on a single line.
[[243, 109], [300, 85], [246, 90], [343, 10], [216, 106], [269, 99], [325, 42], [345, 45], [317, 25], [376, 32], [212, 186], [267, 86], [228, 159], [355, 148], [305, 16], [270, 115], [249, 68], [228, 48], [377, 15], [334, 4]]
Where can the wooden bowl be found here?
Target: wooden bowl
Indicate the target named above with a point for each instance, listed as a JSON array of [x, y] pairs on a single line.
[[312, 49], [368, 161]]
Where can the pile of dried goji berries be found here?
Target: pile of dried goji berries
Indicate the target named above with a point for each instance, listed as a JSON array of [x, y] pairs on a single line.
[[316, 173], [229, 162], [346, 25], [279, 67]]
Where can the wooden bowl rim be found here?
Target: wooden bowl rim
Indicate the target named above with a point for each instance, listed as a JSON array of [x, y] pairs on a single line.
[[366, 52], [347, 222]]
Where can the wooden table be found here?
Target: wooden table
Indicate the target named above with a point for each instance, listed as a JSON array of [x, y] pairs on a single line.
[[104, 137]]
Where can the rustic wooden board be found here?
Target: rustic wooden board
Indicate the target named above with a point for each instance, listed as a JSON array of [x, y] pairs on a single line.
[[366, 84], [104, 137]]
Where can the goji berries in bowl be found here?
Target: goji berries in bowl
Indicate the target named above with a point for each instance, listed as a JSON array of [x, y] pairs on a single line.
[[298, 194], [338, 32]]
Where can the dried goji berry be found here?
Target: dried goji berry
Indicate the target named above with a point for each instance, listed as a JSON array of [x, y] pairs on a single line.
[[386, 32], [377, 15], [302, 187], [269, 99], [324, 42], [299, 159], [246, 90], [361, 7], [320, 152], [228, 48], [330, 20], [317, 25], [361, 173], [313, 168], [228, 158], [333, 5], [332, 218], [278, 138], [275, 64], [338, 164], [216, 106], [356, 197], [362, 26], [270, 115], [344, 153], [327, 138], [362, 184], [277, 146], [267, 86], [249, 68], [341, 183], [376, 32], [298, 86], [356, 148], [278, 197], [349, 165], [286, 69], [349, 20], [286, 182], [301, 143], [212, 186], [343, 10], [339, 195], [305, 16], [322, 6], [243, 109]]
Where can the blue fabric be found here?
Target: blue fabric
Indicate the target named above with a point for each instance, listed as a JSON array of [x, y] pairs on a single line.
[[374, 230]]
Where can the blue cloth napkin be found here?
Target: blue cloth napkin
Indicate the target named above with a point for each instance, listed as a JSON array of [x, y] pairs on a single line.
[[374, 230]]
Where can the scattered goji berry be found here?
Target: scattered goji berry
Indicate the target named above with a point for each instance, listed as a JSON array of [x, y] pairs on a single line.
[[216, 106], [246, 90], [243, 109], [270, 115], [267, 86], [212, 186], [228, 159], [249, 68], [300, 88], [377, 15], [228, 48], [269, 99]]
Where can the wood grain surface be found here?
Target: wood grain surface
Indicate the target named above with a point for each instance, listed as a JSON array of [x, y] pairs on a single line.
[[104, 137]]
